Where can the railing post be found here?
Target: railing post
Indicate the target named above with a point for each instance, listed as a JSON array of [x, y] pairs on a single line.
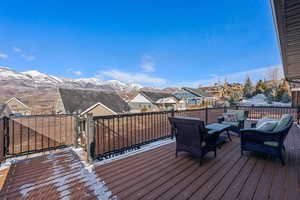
[[76, 130], [5, 136], [298, 114], [172, 129], [206, 115], [90, 142]]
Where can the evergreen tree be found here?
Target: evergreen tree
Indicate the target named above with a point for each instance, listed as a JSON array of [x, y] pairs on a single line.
[[248, 88], [260, 87]]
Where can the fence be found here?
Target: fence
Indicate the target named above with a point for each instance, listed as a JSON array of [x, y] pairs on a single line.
[[31, 134], [272, 112], [116, 134], [111, 135], [3, 141]]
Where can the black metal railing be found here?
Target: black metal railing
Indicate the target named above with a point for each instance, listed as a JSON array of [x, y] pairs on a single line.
[[111, 135], [38, 133], [116, 134], [3, 138]]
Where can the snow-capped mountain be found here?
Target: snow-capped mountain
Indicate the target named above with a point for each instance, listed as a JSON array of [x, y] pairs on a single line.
[[36, 79]]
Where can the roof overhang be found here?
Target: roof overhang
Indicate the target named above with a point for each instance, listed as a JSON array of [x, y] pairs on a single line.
[[286, 14]]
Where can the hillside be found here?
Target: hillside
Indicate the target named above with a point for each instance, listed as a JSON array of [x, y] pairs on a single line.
[[39, 89]]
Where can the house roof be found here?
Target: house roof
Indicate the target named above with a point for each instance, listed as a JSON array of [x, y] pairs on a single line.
[[2, 107], [78, 101], [286, 13], [197, 91], [154, 96]]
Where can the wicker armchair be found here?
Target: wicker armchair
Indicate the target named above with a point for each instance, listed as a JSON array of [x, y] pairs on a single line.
[[236, 126], [191, 136], [272, 143]]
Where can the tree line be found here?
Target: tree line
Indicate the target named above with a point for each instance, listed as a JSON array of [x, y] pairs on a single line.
[[274, 90]]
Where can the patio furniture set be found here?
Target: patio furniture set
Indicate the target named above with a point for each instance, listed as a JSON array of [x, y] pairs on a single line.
[[266, 135]]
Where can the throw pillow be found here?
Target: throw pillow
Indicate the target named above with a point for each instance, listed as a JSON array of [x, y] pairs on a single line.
[[267, 126], [283, 122], [263, 120], [230, 117], [239, 113]]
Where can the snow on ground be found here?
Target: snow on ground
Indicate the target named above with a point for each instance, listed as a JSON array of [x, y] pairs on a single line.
[[64, 181], [144, 148], [261, 100], [86, 173]]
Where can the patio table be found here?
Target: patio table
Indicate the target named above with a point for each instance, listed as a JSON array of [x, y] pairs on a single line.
[[217, 128]]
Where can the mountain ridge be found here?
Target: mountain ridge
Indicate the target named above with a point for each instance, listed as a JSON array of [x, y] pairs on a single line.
[[37, 79]]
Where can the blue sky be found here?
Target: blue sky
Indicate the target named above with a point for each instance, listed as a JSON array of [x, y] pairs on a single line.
[[156, 43]]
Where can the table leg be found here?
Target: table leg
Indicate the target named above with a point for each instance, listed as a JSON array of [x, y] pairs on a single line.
[[228, 135]]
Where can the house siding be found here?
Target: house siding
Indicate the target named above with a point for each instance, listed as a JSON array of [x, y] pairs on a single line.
[[139, 106], [16, 107], [188, 97], [59, 106], [100, 110]]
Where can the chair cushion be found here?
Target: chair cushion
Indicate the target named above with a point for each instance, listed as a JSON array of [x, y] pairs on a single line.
[[231, 123], [263, 120], [230, 117], [240, 114], [283, 122], [271, 143], [267, 126]]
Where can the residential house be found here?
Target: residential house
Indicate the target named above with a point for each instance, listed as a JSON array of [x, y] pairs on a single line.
[[83, 102], [214, 91], [4, 110], [195, 97], [18, 106], [153, 101]]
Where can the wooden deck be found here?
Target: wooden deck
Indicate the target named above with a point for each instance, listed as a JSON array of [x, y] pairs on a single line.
[[157, 174]]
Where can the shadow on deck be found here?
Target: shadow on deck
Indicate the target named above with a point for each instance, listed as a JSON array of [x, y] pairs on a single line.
[[157, 174]]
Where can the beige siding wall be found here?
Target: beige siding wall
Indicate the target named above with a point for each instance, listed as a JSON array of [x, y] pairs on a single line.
[[99, 110], [16, 107], [59, 107]]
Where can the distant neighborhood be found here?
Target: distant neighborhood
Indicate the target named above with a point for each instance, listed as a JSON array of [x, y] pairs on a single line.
[[82, 101]]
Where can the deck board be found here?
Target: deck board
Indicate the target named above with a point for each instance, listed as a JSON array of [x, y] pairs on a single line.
[[157, 174]]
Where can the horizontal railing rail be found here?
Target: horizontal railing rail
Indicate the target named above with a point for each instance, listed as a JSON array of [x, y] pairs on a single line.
[[116, 134], [33, 134], [112, 134], [257, 112]]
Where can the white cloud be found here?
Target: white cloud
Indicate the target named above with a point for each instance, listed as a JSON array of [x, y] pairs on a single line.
[[74, 71], [3, 56], [254, 74], [28, 58], [77, 73], [23, 55], [141, 78], [148, 64]]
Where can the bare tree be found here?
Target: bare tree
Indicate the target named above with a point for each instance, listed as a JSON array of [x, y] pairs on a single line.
[[273, 74]]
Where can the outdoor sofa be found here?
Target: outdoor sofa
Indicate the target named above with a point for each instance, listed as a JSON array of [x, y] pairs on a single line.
[[265, 139]]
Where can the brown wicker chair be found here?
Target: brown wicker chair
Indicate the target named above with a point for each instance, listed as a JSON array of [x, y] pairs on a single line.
[[191, 136]]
